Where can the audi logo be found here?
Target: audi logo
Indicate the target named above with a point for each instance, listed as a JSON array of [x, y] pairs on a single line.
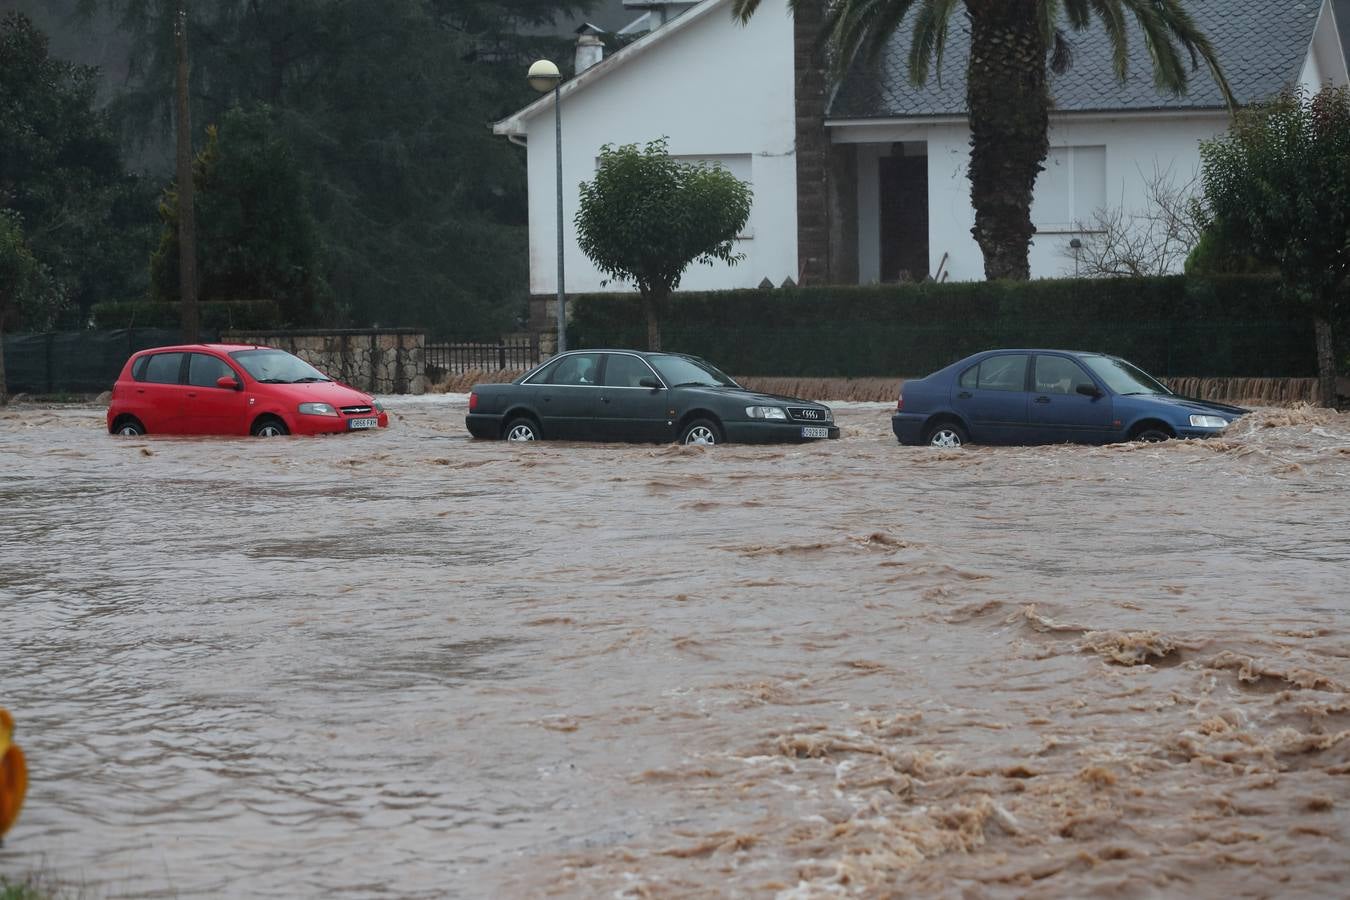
[[810, 414]]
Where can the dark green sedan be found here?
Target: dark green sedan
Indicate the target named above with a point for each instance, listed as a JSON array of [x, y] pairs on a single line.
[[626, 395]]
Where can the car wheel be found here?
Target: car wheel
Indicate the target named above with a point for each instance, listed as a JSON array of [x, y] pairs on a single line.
[[1152, 434], [701, 431], [270, 427], [129, 428], [521, 430], [946, 434]]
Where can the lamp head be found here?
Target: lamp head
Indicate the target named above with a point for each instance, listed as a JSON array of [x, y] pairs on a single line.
[[543, 76]]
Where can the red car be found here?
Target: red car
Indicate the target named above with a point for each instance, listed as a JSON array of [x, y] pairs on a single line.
[[234, 389]]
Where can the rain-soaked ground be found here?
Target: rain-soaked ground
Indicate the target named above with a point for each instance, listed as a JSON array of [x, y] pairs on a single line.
[[412, 665]]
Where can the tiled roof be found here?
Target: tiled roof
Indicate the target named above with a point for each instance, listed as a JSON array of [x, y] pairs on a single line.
[[1261, 46]]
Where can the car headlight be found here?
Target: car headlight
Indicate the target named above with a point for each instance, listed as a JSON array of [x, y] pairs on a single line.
[[765, 412], [317, 409], [375, 401], [1208, 422]]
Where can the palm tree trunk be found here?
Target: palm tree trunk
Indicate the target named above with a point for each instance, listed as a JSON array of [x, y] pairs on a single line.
[[1326, 361], [1009, 104]]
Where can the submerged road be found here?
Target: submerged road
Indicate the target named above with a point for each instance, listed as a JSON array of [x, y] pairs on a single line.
[[408, 664]]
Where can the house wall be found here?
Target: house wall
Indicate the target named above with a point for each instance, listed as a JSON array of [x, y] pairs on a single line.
[[1326, 61], [715, 89], [1136, 148]]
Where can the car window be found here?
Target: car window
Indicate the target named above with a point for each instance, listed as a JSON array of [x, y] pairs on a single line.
[[1004, 373], [163, 368], [271, 366], [680, 370], [203, 370], [1124, 378], [1058, 375], [579, 368], [542, 375], [622, 370], [970, 377]]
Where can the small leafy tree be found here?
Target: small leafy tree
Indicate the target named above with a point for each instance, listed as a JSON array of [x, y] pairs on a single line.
[[1278, 188], [647, 216], [27, 293]]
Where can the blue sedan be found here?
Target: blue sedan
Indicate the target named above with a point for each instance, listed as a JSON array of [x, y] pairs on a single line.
[[1049, 397]]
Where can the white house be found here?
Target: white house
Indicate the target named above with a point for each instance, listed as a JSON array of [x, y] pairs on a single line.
[[866, 181]]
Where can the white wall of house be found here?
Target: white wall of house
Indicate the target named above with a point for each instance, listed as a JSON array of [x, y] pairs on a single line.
[[1326, 61], [1095, 162], [717, 90]]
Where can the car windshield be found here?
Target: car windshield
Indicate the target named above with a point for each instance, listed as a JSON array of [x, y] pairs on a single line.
[[688, 370], [277, 367], [1123, 378]]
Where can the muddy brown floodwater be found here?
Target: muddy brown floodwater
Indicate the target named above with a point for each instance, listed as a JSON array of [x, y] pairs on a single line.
[[408, 664]]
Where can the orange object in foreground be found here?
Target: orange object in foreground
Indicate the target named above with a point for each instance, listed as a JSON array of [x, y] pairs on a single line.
[[13, 775]]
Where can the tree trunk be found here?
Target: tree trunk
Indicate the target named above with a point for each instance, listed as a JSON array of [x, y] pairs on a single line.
[[1326, 361], [187, 220], [814, 265], [4, 385], [649, 306], [1009, 107]]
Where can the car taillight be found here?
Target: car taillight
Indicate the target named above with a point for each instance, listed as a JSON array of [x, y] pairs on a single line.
[[900, 403], [473, 402]]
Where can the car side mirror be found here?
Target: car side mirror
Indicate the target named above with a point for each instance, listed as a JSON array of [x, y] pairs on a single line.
[[1088, 390], [649, 382], [227, 382]]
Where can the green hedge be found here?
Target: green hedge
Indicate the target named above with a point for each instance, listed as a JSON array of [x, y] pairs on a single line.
[[218, 315], [1172, 326]]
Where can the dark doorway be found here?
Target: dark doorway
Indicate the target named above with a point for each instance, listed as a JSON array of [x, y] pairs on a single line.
[[904, 218]]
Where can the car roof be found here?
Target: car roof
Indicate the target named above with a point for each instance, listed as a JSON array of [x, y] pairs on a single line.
[[642, 353], [222, 348]]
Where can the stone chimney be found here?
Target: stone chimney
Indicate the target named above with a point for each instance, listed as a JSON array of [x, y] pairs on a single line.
[[590, 50]]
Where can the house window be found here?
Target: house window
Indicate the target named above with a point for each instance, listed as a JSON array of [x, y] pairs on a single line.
[[738, 164], [1070, 190]]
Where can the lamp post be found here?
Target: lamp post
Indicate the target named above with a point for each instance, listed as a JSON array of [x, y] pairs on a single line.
[[544, 77]]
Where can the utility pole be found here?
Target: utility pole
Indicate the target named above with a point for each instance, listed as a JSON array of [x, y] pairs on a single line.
[[187, 224]]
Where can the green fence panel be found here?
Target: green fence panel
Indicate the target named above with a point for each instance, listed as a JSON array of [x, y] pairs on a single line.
[[76, 362]]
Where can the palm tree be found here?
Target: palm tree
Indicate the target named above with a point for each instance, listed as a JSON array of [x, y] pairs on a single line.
[[1013, 46]]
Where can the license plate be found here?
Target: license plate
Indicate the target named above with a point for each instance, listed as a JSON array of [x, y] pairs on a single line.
[[809, 432], [353, 424]]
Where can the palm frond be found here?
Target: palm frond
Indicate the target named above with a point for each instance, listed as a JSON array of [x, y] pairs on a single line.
[[930, 39], [1061, 55], [1113, 21], [742, 10], [1166, 24], [1079, 14]]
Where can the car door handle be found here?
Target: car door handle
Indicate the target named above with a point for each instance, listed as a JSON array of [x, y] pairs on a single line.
[[1042, 399], [604, 399], [547, 398], [964, 395], [192, 393]]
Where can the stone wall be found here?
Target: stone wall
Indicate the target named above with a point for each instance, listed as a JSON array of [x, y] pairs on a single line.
[[383, 361]]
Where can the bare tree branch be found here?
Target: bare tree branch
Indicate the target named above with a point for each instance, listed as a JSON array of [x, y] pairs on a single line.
[[1153, 240]]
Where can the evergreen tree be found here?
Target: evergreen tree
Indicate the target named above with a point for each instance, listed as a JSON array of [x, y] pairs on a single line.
[[86, 220], [386, 107]]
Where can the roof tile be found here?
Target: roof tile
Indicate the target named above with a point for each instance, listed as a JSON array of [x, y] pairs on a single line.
[[1261, 45]]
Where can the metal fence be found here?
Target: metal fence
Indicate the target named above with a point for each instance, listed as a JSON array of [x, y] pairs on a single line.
[[516, 353]]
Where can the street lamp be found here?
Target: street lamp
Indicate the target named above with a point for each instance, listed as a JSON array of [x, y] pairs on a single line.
[[544, 77]]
